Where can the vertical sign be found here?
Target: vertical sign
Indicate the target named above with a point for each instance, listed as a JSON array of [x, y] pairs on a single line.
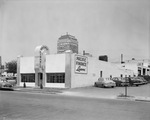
[[39, 61], [80, 64]]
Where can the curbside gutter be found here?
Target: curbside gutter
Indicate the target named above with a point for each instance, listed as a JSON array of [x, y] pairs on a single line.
[[136, 98]]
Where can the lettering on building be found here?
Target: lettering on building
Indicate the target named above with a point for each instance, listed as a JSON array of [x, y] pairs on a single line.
[[81, 64]]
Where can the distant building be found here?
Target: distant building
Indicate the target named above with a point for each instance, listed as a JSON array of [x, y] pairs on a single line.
[[139, 67], [67, 43]]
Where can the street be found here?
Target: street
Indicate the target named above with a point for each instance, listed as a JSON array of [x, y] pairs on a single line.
[[31, 106]]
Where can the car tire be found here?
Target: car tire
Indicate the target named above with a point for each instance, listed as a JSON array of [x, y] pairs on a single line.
[[95, 85], [103, 86]]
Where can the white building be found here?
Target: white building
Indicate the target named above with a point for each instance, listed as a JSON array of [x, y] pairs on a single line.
[[139, 67], [67, 70]]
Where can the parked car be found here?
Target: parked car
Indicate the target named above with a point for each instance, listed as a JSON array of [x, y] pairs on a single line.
[[146, 77], [117, 80], [4, 84], [12, 80], [143, 81], [104, 83], [121, 81], [135, 81]]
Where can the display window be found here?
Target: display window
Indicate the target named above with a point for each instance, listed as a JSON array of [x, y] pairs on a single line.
[[28, 77], [55, 77]]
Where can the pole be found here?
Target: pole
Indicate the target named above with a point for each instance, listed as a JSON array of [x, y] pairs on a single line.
[[125, 86]]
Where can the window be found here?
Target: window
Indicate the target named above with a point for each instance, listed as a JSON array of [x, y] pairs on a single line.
[[121, 75], [55, 77], [27, 77], [101, 73]]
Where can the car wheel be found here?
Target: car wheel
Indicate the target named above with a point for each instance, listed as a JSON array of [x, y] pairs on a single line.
[[95, 85], [103, 85]]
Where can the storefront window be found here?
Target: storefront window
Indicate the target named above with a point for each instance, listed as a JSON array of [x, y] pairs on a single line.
[[27, 77], [55, 77]]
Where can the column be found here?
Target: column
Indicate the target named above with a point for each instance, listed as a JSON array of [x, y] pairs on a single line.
[[68, 70], [18, 70], [36, 78]]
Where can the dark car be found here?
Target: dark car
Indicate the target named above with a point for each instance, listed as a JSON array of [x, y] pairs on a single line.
[[117, 80], [143, 81], [135, 81], [121, 81]]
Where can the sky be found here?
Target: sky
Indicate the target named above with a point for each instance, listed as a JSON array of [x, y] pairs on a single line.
[[102, 27]]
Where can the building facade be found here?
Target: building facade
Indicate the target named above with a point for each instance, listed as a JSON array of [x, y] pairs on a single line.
[[67, 43], [66, 70], [139, 67]]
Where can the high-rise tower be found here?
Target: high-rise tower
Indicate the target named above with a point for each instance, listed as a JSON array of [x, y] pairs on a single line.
[[67, 42]]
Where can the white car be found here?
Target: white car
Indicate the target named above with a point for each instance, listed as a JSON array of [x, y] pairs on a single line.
[[6, 84], [105, 83]]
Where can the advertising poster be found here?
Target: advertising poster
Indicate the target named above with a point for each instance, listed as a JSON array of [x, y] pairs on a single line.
[[81, 64]]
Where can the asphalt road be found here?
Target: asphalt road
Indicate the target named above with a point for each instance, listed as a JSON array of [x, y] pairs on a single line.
[[25, 106]]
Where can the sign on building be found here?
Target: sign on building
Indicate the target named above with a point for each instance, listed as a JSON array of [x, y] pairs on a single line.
[[39, 58], [81, 64]]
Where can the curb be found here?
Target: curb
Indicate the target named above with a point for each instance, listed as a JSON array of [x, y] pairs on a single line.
[[58, 91], [142, 99], [32, 90]]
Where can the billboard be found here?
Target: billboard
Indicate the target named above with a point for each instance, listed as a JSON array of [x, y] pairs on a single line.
[[81, 64]]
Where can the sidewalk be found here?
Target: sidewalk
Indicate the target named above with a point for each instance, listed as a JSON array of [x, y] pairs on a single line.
[[90, 92], [38, 90]]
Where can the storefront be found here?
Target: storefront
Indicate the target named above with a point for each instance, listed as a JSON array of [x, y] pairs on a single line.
[[66, 70]]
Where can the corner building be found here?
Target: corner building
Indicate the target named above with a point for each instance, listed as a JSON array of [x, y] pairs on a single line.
[[66, 70]]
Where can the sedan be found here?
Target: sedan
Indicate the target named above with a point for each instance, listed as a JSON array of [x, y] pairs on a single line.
[[104, 83], [135, 81], [117, 80], [4, 84]]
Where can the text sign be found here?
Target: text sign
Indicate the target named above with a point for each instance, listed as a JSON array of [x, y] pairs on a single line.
[[80, 64]]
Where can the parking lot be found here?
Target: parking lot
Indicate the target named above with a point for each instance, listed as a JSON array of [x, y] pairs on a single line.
[[136, 91]]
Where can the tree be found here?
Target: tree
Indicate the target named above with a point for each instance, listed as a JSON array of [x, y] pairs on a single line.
[[11, 66]]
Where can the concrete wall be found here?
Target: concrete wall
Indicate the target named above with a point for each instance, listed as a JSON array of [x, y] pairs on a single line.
[[27, 65], [80, 80], [55, 63], [132, 66], [94, 68]]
